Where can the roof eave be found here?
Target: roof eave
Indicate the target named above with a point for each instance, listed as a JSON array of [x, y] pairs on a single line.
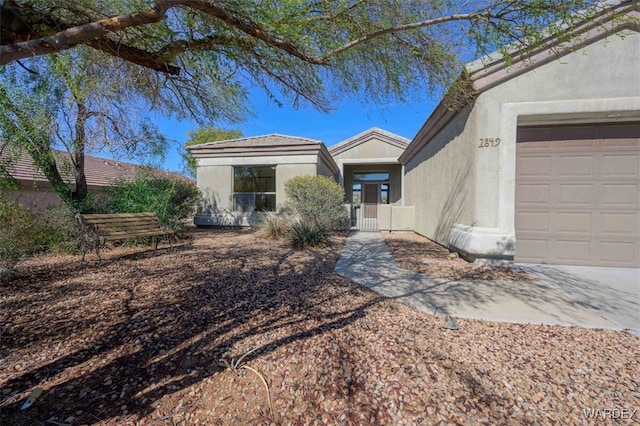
[[499, 70], [388, 137]]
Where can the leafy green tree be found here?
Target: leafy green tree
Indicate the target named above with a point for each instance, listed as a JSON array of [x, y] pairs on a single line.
[[81, 72], [371, 47], [78, 102], [204, 135]]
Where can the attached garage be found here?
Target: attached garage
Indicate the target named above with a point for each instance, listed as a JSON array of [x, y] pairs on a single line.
[[577, 195]]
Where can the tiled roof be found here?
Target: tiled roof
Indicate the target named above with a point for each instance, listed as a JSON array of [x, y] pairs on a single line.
[[272, 140], [99, 172]]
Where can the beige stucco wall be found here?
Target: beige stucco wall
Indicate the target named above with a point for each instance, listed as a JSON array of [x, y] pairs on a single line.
[[36, 199], [284, 172], [323, 169], [396, 218], [608, 69], [39, 196], [216, 183], [453, 181], [395, 179], [439, 180], [373, 148]]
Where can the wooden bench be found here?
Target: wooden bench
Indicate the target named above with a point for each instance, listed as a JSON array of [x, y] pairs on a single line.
[[99, 228]]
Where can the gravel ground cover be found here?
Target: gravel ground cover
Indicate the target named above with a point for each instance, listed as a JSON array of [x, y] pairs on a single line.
[[234, 329], [419, 254]]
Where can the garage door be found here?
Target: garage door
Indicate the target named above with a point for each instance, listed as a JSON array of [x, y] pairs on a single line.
[[578, 195]]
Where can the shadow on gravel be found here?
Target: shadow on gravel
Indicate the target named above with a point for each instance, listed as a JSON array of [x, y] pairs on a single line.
[[146, 326]]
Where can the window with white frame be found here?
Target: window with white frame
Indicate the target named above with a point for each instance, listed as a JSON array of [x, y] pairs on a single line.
[[254, 188]]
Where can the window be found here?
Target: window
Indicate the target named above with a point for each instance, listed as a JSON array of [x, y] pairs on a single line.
[[357, 193], [384, 193], [377, 183], [371, 177], [254, 189]]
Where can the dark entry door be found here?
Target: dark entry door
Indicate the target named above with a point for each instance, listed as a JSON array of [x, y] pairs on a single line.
[[370, 200]]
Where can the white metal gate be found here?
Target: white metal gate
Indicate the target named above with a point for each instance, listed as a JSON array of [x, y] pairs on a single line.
[[364, 217]]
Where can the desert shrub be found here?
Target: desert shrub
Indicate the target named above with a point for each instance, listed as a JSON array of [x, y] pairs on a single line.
[[22, 234], [318, 201], [274, 226], [95, 204], [63, 229], [306, 235], [174, 200]]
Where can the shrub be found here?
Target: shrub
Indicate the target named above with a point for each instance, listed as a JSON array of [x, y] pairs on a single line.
[[274, 226], [318, 201], [22, 234], [174, 200], [63, 229], [305, 235]]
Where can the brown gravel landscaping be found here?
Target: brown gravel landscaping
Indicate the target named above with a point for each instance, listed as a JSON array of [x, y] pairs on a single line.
[[419, 254], [149, 339]]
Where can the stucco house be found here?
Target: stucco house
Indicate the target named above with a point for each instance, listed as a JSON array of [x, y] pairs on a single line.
[[243, 178], [35, 191], [543, 164], [540, 164]]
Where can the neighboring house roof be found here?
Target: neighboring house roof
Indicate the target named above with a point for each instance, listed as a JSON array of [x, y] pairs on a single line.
[[492, 70], [265, 146], [367, 135], [263, 141], [100, 172]]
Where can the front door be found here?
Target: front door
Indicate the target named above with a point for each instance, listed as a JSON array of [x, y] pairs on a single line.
[[370, 200]]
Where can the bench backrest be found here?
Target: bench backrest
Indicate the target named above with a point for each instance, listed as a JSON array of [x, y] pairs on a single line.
[[122, 224]]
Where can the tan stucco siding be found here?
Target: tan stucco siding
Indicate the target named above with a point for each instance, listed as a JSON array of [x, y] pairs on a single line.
[[439, 180], [324, 170], [36, 199], [452, 180], [373, 148], [606, 69], [285, 172], [216, 185]]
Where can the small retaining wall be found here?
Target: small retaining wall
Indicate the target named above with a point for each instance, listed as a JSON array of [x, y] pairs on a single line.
[[396, 218]]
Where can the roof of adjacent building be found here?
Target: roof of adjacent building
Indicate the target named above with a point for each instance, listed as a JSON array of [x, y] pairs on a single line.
[[494, 69], [273, 145], [99, 172], [272, 140], [367, 135]]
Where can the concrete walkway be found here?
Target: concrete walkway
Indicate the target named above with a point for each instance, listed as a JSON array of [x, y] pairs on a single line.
[[366, 260]]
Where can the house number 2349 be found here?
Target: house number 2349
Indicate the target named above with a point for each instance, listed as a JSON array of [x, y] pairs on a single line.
[[489, 142]]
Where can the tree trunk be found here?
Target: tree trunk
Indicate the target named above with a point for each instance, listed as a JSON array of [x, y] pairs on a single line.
[[79, 145]]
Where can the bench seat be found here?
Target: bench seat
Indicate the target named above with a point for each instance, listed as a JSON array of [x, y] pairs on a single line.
[[98, 228]]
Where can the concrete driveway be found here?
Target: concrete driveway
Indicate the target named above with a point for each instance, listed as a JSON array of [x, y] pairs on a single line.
[[612, 293], [561, 295]]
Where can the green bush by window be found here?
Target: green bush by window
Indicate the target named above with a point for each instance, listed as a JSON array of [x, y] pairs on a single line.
[[318, 201], [174, 200]]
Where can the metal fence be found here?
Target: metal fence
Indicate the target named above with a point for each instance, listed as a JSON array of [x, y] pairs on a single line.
[[364, 217]]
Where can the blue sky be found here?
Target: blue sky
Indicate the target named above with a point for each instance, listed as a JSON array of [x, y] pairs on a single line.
[[349, 118]]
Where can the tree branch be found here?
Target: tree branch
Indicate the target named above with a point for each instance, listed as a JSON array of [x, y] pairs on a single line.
[[400, 28], [134, 55], [81, 34]]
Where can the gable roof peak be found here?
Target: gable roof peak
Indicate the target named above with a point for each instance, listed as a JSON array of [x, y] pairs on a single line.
[[362, 137]]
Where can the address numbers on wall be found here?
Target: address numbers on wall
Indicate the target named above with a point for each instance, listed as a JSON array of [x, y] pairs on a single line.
[[489, 143]]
